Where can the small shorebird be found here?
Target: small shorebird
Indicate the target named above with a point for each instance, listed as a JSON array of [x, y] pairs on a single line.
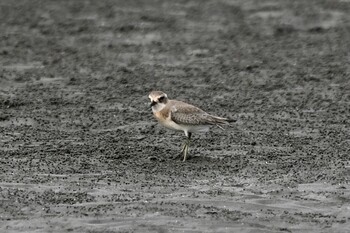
[[178, 115]]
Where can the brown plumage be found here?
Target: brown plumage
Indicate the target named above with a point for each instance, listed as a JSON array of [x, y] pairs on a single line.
[[178, 115], [183, 113]]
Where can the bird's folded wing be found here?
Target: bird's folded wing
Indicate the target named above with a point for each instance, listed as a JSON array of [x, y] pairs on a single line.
[[195, 117], [186, 114], [189, 118]]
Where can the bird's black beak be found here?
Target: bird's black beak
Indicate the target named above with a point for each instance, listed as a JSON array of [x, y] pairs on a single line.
[[153, 103]]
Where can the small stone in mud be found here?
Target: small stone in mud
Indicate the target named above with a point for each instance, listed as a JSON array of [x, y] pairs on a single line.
[[153, 158]]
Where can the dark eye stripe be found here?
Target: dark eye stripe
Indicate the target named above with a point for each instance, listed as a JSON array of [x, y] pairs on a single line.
[[161, 99]]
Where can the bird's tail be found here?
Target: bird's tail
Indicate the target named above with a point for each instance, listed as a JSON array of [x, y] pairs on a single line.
[[218, 121]]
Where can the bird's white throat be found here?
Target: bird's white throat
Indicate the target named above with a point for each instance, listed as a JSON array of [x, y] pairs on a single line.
[[158, 107]]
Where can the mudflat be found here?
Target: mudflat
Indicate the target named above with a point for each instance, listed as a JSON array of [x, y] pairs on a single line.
[[81, 152]]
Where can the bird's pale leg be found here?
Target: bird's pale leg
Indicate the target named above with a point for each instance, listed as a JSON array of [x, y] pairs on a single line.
[[185, 152], [186, 146], [183, 148]]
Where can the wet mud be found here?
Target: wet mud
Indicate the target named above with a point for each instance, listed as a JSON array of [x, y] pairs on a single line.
[[81, 152]]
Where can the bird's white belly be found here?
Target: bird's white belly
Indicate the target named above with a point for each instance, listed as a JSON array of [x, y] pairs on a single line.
[[171, 125], [186, 128]]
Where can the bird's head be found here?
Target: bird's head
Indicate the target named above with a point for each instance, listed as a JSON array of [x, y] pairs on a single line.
[[158, 100]]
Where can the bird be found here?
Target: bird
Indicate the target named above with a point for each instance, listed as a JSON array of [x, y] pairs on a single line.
[[180, 116]]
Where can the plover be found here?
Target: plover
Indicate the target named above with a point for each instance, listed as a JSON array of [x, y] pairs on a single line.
[[181, 116]]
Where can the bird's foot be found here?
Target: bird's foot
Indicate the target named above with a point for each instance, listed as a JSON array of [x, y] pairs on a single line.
[[185, 149], [177, 156], [184, 152], [181, 154]]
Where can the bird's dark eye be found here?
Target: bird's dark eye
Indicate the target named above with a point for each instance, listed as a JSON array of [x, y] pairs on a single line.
[[161, 99]]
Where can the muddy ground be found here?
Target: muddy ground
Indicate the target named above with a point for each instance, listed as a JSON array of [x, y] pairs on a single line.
[[81, 152]]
